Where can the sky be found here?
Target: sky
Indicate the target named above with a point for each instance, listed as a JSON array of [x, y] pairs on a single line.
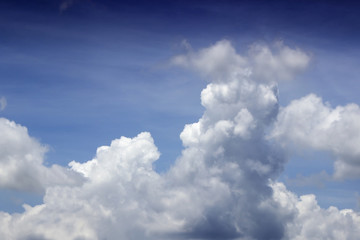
[[179, 120]]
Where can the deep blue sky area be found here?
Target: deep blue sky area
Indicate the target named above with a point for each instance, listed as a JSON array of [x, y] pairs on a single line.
[[80, 73]]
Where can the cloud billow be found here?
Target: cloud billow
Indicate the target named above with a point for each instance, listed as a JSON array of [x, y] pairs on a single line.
[[21, 162], [223, 186], [310, 123]]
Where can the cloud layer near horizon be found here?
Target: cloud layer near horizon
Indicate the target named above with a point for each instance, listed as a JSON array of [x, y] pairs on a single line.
[[223, 186]]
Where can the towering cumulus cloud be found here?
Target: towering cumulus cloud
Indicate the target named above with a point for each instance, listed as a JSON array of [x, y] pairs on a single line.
[[223, 186]]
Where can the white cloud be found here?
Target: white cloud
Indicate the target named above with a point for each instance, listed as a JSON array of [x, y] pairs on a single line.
[[283, 65], [310, 123], [312, 222], [221, 62], [3, 103], [215, 62], [221, 187], [21, 159]]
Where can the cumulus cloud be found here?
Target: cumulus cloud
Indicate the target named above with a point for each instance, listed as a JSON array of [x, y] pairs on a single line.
[[215, 62], [312, 124], [312, 222], [21, 161], [222, 62], [223, 186], [281, 64], [3, 103]]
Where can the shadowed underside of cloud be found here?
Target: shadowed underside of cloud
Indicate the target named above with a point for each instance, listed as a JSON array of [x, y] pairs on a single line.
[[223, 186]]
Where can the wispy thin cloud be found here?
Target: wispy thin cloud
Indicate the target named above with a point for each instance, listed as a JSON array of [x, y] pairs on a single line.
[[3, 103]]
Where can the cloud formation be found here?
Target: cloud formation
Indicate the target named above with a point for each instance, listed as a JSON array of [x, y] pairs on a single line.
[[223, 186], [312, 124], [221, 62], [312, 222], [21, 162]]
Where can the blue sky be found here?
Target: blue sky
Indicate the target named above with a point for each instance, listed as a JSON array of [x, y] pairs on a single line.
[[81, 73]]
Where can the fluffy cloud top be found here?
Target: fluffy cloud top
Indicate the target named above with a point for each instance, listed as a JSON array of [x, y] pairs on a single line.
[[222, 62], [310, 123], [21, 161], [223, 186], [312, 222]]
